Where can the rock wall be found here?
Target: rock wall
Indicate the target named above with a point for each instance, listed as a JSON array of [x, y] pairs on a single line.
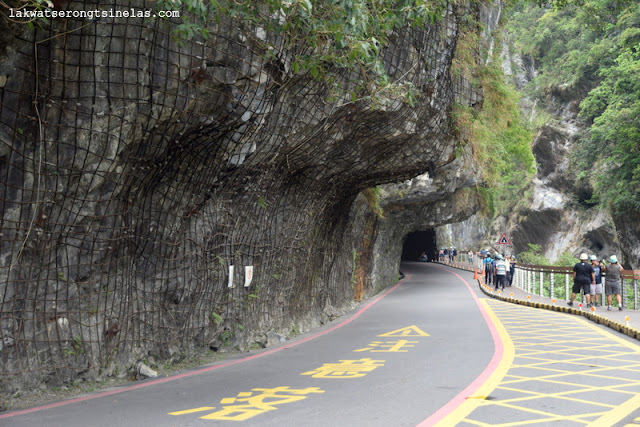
[[145, 180], [556, 213], [423, 203], [560, 217], [627, 227]]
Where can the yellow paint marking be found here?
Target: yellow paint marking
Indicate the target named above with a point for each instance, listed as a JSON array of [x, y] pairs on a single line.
[[258, 401], [388, 346], [582, 389], [193, 411], [458, 414], [542, 413], [346, 369], [409, 331], [621, 411], [633, 423], [531, 344], [578, 386]]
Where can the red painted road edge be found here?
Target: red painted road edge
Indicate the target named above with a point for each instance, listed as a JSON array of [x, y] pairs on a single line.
[[211, 368], [484, 376]]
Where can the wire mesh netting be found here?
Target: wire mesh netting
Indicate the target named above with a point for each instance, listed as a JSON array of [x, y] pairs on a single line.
[[144, 180]]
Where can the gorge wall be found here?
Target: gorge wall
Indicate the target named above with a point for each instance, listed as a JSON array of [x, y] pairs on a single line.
[[557, 211], [560, 217], [160, 197]]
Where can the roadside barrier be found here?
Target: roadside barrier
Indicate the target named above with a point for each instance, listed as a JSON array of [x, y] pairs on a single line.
[[556, 282], [630, 278]]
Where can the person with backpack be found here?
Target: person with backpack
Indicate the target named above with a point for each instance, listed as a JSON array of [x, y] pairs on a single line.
[[488, 272]]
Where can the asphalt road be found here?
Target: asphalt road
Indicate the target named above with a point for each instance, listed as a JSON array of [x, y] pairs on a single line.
[[407, 357]]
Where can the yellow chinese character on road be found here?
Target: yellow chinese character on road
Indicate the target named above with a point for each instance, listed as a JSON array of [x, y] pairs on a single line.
[[409, 331], [251, 404], [388, 346], [346, 369]]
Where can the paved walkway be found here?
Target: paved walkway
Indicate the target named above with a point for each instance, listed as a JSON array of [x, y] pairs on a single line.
[[625, 321], [556, 369]]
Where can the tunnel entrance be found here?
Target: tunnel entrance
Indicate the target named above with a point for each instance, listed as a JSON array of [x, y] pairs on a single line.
[[418, 242]]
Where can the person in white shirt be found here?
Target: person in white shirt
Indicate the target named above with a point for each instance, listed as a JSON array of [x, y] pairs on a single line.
[[501, 270]]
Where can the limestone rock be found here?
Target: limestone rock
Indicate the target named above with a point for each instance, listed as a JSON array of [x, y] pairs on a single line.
[[144, 371]]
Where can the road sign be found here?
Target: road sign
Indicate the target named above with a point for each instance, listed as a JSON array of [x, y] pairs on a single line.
[[504, 240]]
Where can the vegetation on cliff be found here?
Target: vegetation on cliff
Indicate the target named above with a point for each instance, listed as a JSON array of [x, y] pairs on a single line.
[[499, 134], [589, 51], [328, 36]]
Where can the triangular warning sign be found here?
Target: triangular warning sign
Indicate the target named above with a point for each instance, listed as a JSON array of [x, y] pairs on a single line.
[[409, 331], [504, 240]]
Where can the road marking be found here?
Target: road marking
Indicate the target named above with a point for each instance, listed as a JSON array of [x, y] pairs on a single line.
[[346, 369], [252, 403], [409, 331], [594, 375], [193, 411], [150, 383], [488, 371], [388, 346], [633, 423], [481, 393]]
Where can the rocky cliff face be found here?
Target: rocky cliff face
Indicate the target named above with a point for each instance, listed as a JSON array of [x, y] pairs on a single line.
[[423, 204], [557, 214], [162, 197], [561, 217], [628, 232]]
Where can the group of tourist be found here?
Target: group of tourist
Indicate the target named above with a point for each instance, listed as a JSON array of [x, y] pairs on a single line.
[[499, 269], [587, 277], [448, 254]]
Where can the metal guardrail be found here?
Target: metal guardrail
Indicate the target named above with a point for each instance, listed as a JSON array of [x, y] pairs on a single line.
[[556, 282]]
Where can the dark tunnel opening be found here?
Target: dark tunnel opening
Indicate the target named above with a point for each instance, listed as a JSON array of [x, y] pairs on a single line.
[[417, 242]]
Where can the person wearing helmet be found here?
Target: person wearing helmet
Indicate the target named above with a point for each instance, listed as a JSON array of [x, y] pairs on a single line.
[[596, 290], [501, 269], [612, 285], [488, 272], [583, 277]]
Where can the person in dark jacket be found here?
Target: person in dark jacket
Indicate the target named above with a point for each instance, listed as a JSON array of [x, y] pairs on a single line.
[[512, 268], [583, 278]]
